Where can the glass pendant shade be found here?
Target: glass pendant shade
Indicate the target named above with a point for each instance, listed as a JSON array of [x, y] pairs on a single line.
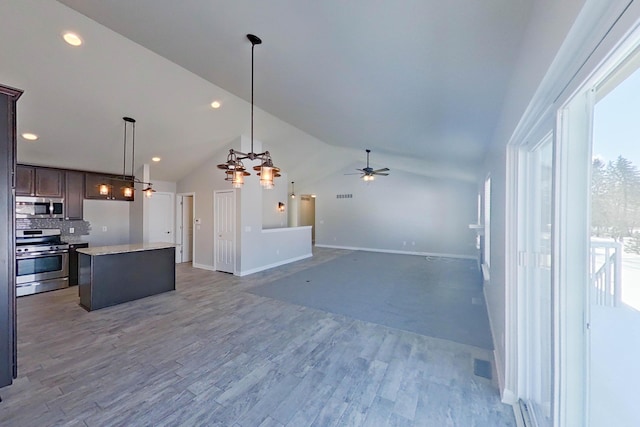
[[368, 177], [104, 190], [266, 177], [127, 191], [237, 179]]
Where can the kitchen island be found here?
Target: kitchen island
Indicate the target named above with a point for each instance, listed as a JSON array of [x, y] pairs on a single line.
[[110, 275]]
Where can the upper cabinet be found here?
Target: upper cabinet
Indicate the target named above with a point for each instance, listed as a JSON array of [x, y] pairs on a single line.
[[39, 182], [72, 185], [73, 194], [25, 181]]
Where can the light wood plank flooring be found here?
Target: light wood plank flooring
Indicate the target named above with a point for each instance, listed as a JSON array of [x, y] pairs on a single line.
[[213, 354]]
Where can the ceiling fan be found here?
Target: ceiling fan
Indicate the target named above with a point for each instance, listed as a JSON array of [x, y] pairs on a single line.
[[368, 173]]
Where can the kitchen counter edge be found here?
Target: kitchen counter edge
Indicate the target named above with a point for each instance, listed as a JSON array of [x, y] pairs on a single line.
[[119, 249]]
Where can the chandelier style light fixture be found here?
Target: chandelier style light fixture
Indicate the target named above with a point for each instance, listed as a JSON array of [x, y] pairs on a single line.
[[129, 181], [234, 169]]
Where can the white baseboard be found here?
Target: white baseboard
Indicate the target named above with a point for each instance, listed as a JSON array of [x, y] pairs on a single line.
[[507, 396], [391, 251], [203, 266], [276, 264]]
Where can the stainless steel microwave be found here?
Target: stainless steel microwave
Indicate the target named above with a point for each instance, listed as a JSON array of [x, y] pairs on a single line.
[[39, 207]]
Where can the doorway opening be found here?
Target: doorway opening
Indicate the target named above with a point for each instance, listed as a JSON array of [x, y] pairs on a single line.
[[308, 214], [184, 220]]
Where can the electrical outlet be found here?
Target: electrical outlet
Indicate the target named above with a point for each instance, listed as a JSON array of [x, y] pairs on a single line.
[[72, 230], [104, 228]]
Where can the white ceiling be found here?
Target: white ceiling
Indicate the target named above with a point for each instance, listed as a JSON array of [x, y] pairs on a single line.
[[420, 82]]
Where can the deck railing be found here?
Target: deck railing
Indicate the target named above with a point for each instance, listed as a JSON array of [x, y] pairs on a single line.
[[606, 269]]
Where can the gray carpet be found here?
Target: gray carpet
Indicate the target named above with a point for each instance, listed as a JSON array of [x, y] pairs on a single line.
[[432, 296]]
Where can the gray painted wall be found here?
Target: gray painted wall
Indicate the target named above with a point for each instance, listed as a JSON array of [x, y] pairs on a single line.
[[401, 212], [271, 217], [114, 215]]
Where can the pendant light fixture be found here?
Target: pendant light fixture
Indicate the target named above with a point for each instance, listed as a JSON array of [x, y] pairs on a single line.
[[128, 188], [293, 193], [234, 169], [129, 182]]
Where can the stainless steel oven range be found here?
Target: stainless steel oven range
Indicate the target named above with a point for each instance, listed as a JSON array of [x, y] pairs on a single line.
[[42, 261]]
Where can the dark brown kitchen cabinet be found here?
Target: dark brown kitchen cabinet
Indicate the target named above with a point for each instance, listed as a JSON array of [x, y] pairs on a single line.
[[73, 194], [39, 182], [92, 184], [25, 180], [73, 262], [8, 332]]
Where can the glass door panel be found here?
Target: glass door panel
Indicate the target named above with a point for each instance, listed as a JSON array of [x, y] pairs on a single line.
[[614, 287], [535, 313]]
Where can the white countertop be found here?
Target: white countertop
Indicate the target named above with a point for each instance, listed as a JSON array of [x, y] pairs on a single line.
[[119, 249]]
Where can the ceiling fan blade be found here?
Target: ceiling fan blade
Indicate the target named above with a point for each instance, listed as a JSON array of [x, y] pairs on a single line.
[[354, 173], [381, 170], [380, 173]]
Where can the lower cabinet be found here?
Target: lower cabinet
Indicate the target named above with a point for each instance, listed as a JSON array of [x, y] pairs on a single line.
[[73, 262]]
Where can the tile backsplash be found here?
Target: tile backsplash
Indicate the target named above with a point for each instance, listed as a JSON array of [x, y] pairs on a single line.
[[81, 228]]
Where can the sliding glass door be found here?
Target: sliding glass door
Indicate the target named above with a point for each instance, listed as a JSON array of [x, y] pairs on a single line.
[[614, 288], [535, 209]]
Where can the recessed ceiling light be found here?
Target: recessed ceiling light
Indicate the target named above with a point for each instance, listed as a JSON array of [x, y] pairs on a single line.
[[30, 136], [72, 38], [156, 159], [215, 104]]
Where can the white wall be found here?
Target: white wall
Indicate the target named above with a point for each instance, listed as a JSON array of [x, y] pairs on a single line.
[[114, 215], [163, 186], [400, 212], [271, 217]]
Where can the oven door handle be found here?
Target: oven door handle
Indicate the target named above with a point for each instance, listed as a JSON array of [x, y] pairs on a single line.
[[35, 254]]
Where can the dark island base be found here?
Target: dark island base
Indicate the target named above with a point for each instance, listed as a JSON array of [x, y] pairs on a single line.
[[106, 280]]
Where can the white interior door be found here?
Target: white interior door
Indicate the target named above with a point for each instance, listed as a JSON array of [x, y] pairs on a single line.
[[224, 217], [161, 218]]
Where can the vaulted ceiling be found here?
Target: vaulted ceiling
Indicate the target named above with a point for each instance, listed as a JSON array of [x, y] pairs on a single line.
[[419, 82]]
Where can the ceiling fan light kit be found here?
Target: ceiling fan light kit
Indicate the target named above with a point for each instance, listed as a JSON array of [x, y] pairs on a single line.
[[368, 173], [234, 169]]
